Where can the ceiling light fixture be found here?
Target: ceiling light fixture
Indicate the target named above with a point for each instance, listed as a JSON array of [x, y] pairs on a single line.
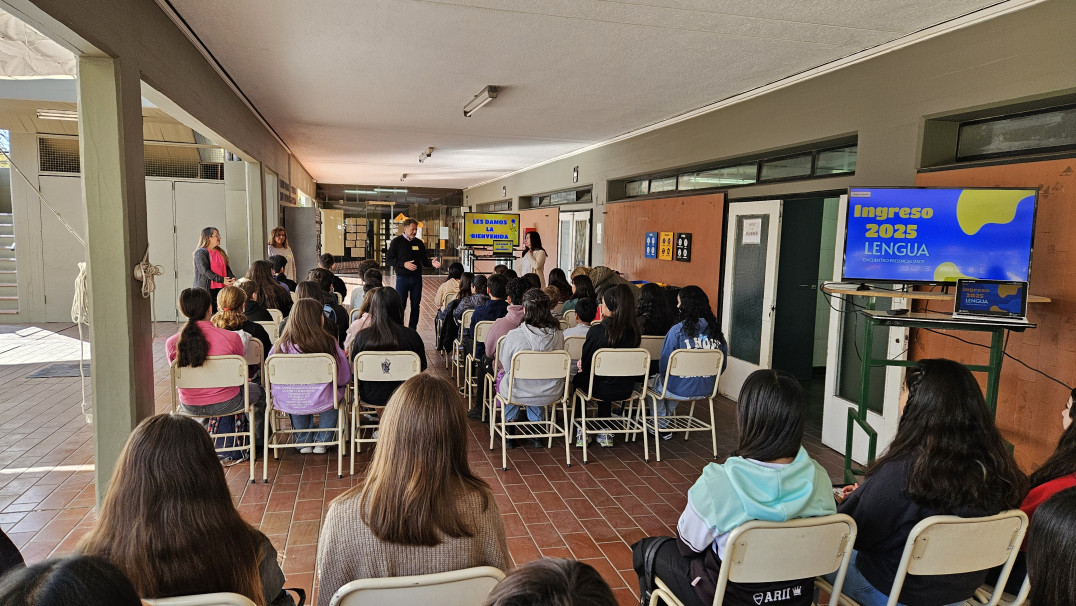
[[359, 191], [390, 190], [485, 96], [57, 114], [403, 176], [422, 155]]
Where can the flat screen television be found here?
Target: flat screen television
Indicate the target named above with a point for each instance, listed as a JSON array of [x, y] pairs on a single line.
[[485, 229], [924, 235]]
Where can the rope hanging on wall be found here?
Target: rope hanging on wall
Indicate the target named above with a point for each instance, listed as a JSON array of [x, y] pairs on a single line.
[[144, 272]]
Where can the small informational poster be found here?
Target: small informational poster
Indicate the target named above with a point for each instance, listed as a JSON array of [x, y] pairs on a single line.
[[650, 248], [752, 231], [683, 247], [444, 233], [665, 246]]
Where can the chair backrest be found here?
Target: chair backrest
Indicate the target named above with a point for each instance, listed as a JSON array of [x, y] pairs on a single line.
[[276, 314], [653, 344], [951, 545], [574, 346], [272, 328], [465, 322], [355, 314], [339, 298], [564, 324], [255, 352], [204, 599], [300, 369], [217, 371], [614, 362], [480, 331], [546, 365], [294, 297], [694, 363], [762, 552], [468, 587], [571, 317], [386, 365], [448, 297]]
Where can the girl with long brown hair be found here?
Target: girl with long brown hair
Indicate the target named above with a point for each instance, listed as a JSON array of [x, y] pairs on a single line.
[[306, 332], [269, 292], [420, 509], [386, 332], [168, 521]]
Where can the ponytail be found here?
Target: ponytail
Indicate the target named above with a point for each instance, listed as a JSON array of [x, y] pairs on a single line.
[[192, 347], [230, 301]]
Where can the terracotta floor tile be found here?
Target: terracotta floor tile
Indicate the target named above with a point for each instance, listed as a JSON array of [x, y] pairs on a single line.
[[582, 546], [545, 535], [618, 553]]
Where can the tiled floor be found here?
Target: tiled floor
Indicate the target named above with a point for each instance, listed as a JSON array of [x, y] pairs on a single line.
[[590, 512]]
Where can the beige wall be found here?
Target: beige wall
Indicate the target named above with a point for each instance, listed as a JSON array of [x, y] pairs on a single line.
[[1024, 54]]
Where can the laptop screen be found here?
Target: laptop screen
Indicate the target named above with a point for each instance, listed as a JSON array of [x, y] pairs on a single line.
[[991, 298]]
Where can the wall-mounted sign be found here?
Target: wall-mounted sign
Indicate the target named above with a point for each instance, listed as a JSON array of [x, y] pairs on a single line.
[[665, 246], [752, 231], [650, 248], [683, 247]]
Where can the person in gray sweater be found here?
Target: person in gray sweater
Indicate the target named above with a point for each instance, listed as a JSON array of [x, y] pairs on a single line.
[[540, 331]]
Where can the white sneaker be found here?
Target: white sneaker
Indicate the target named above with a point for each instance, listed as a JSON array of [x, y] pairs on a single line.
[[319, 450], [605, 440], [306, 450]]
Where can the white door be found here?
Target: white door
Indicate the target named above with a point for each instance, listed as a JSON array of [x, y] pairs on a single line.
[[573, 247], [198, 205], [61, 252], [160, 224], [750, 289]]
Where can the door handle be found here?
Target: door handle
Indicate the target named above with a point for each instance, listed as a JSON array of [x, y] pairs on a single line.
[[811, 286]]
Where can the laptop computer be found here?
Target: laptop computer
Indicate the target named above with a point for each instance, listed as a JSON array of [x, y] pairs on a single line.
[[991, 301]]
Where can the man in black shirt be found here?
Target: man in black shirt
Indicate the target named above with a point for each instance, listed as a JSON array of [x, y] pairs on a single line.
[[407, 255]]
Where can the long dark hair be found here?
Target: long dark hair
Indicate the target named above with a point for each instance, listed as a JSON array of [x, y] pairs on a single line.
[[386, 318], [79, 580], [621, 319], [192, 348], [552, 582], [1063, 461], [584, 287], [560, 280], [958, 458], [306, 330], [480, 282], [455, 270], [770, 416], [466, 285], [209, 547], [535, 240], [536, 310], [653, 310], [309, 289], [271, 293], [420, 467], [1051, 550], [695, 306]]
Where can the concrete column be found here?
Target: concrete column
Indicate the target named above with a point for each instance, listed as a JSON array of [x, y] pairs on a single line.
[[114, 189], [256, 211], [236, 223]]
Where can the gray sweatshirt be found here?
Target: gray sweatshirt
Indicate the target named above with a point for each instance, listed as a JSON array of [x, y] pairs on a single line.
[[530, 392]]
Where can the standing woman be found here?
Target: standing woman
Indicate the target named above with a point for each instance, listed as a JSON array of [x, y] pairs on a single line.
[[278, 245], [211, 270], [533, 259]]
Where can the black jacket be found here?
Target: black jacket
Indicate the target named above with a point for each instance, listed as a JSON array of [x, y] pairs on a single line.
[[609, 389], [402, 250], [203, 274]]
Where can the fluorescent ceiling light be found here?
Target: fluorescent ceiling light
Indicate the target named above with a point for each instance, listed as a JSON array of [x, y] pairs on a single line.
[[57, 114], [485, 96], [377, 203], [359, 191], [390, 190]]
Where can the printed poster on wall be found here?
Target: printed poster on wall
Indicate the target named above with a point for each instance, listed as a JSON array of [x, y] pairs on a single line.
[[650, 247], [683, 247], [665, 247], [752, 231]]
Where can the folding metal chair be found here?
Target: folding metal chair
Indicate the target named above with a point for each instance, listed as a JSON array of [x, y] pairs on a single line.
[[683, 363], [471, 382], [300, 369], [455, 357], [376, 366], [203, 599], [571, 317], [613, 362], [467, 587], [534, 365], [272, 328], [276, 314]]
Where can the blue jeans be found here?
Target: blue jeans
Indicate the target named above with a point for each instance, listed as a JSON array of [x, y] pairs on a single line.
[[410, 287], [666, 407], [534, 413], [857, 587], [326, 420]]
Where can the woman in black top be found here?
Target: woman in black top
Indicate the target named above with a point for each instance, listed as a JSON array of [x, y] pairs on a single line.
[[619, 328], [947, 458], [385, 333], [655, 315]]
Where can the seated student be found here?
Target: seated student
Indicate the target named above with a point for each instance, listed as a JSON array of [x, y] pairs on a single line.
[[450, 327], [554, 297], [451, 285], [558, 279], [655, 315], [552, 582], [327, 262], [1051, 552], [355, 299], [533, 279], [308, 289], [585, 311], [371, 280], [618, 328], [71, 581], [500, 269], [199, 339], [539, 331], [280, 262], [231, 300], [308, 331], [386, 333], [510, 274], [169, 523], [495, 309], [480, 297], [487, 350], [391, 525], [584, 289], [947, 458], [697, 329], [252, 309], [768, 477], [267, 290], [324, 279]]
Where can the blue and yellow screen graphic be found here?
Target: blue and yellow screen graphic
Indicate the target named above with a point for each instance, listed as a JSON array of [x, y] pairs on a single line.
[[938, 235], [486, 229], [1001, 299]]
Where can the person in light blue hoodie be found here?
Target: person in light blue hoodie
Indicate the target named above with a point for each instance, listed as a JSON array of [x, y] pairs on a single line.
[[697, 329], [768, 477]]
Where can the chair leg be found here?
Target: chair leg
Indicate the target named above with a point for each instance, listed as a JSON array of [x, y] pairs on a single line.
[[713, 428], [265, 442], [567, 433], [354, 435], [504, 441], [690, 413], [252, 444]]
